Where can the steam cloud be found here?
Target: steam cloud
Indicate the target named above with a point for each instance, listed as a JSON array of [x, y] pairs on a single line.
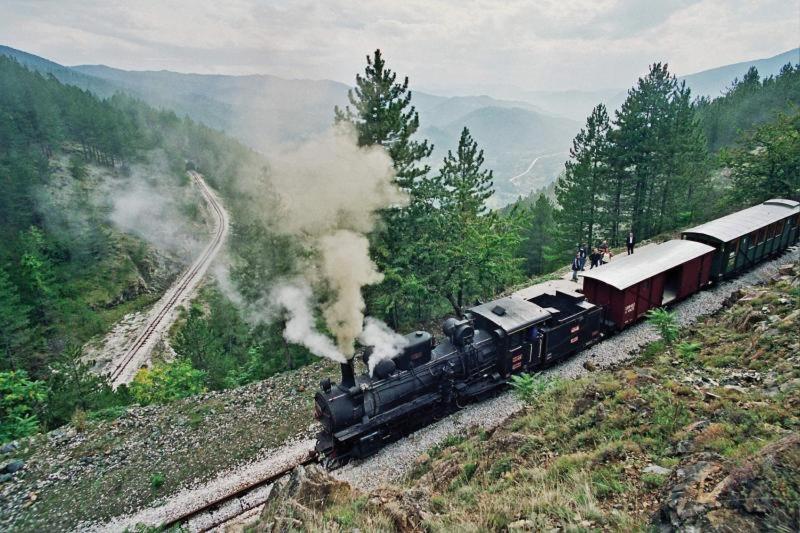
[[295, 298], [330, 190], [385, 342]]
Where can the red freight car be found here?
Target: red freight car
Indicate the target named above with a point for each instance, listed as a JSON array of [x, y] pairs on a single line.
[[654, 276]]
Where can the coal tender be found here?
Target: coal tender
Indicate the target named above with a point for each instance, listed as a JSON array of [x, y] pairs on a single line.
[[428, 381]]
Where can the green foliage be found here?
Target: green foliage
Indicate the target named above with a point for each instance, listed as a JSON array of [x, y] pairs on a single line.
[[748, 103], [649, 171], [537, 237], [688, 350], [15, 332], [217, 340], [766, 162], [167, 382], [20, 400], [664, 321], [445, 246], [72, 386], [468, 251], [529, 387], [382, 114], [156, 480], [582, 188]]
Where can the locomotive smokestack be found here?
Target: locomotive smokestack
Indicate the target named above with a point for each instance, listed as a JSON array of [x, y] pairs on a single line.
[[348, 374]]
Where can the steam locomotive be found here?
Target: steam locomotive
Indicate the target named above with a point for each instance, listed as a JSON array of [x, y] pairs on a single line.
[[533, 329], [425, 382]]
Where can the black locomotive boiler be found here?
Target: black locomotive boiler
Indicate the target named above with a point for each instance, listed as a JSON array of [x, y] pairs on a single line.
[[426, 382]]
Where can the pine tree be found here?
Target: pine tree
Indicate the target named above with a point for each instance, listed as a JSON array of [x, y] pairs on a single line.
[[382, 114], [766, 164], [466, 184], [687, 186], [648, 153], [580, 190], [471, 252], [538, 236]]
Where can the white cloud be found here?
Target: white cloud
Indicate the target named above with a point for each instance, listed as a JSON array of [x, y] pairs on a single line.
[[546, 44]]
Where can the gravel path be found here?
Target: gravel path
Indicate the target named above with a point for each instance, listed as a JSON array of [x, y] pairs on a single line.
[[393, 461]]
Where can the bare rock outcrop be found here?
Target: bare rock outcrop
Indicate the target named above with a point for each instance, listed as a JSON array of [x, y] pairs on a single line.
[[296, 498], [761, 494]]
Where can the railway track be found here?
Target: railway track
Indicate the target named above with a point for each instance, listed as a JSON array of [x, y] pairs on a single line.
[[124, 370], [234, 505]]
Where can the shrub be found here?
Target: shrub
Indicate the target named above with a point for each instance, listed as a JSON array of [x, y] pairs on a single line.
[[664, 321], [156, 480], [166, 383], [652, 481], [688, 350], [78, 420], [20, 398], [529, 387]]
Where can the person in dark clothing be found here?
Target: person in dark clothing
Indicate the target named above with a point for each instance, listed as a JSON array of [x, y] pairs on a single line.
[[594, 258], [582, 255], [576, 266], [630, 242]]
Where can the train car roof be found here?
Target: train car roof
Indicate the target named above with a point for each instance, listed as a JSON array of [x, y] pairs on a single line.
[[511, 313], [735, 225], [647, 262]]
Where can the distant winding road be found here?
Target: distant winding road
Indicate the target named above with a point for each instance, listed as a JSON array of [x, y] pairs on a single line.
[[530, 167], [164, 312]]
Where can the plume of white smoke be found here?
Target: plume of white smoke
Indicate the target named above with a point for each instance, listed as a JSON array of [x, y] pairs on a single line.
[[347, 267], [385, 342], [295, 299], [330, 191]]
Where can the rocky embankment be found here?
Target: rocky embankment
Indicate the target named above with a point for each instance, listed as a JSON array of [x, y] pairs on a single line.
[[145, 455], [701, 435]]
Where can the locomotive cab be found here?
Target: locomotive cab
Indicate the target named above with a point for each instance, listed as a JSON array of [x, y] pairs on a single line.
[[516, 325]]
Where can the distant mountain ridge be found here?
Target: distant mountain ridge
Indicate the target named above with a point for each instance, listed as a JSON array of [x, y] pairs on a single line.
[[713, 82], [267, 112], [520, 130]]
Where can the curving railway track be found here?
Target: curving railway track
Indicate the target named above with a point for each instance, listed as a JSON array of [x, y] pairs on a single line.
[[162, 315], [243, 502]]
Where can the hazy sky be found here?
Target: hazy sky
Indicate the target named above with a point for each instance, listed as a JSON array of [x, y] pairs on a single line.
[[447, 46]]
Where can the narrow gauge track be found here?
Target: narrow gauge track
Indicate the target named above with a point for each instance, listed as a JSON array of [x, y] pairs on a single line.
[[219, 511], [121, 372]]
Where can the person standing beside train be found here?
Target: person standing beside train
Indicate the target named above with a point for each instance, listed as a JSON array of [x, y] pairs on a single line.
[[594, 258], [630, 242], [576, 266], [582, 255]]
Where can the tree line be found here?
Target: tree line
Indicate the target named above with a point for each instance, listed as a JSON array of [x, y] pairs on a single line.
[[666, 161]]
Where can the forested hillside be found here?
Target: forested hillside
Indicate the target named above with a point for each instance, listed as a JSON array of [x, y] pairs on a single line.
[[749, 101], [67, 272]]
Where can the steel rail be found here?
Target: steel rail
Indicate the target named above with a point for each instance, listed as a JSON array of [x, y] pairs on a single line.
[[178, 291]]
